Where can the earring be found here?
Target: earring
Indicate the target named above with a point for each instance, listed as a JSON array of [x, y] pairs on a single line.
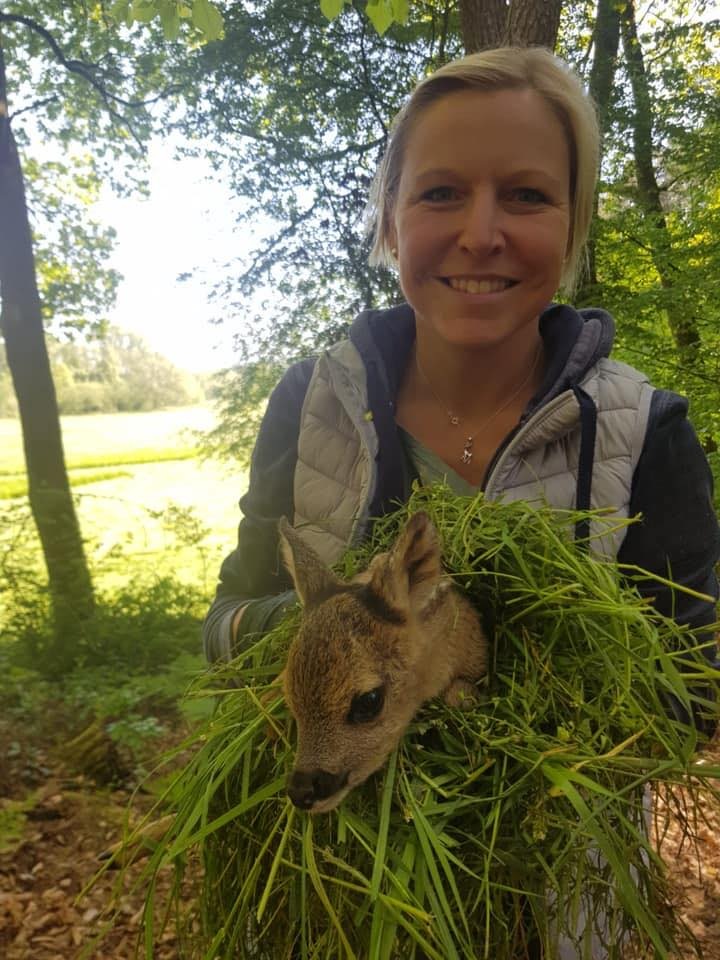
[[393, 251]]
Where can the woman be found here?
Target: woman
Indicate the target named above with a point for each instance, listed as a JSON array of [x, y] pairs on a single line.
[[483, 203]]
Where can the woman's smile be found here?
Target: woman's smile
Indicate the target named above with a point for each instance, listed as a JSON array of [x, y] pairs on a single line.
[[478, 285]]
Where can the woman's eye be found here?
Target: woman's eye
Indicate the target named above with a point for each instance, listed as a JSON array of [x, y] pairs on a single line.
[[440, 194], [529, 195], [366, 706]]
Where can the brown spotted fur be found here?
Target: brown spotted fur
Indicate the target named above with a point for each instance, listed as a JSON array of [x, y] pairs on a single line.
[[400, 624]]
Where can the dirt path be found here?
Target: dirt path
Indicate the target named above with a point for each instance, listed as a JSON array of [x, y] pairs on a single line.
[[69, 822]]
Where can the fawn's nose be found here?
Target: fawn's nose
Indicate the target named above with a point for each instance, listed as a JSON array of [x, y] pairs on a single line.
[[307, 787]]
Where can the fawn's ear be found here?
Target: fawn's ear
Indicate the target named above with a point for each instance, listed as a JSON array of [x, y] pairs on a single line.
[[314, 582], [412, 568]]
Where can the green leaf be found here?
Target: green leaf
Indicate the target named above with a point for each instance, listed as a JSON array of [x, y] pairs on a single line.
[[380, 14], [332, 8], [208, 19], [170, 20], [170, 25], [279, 851], [316, 881], [142, 11], [400, 10], [120, 10]]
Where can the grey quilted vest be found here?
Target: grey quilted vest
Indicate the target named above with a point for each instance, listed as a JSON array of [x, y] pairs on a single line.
[[542, 464]]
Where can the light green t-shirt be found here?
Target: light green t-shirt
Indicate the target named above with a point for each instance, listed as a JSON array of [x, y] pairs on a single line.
[[431, 469]]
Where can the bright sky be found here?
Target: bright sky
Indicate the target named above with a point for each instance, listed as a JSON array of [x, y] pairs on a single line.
[[184, 226]]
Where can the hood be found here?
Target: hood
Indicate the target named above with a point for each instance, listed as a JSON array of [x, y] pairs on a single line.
[[574, 341]]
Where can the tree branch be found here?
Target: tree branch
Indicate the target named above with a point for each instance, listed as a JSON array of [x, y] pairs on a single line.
[[34, 106], [444, 30], [648, 249], [353, 148], [263, 260], [80, 67], [369, 86]]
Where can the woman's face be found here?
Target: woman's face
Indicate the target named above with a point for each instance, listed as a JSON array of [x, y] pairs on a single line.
[[482, 216]]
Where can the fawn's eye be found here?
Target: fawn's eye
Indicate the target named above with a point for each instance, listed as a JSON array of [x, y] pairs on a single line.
[[366, 706]]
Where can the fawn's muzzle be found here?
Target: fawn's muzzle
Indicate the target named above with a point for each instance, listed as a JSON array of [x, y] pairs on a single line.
[[307, 787]]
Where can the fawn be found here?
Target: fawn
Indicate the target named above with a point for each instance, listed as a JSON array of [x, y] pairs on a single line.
[[368, 653]]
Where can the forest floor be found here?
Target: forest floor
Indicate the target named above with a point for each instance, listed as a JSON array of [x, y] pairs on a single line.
[[68, 821], [54, 827], [693, 867]]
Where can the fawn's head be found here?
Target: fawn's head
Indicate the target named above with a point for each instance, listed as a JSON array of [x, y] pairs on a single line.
[[358, 668]]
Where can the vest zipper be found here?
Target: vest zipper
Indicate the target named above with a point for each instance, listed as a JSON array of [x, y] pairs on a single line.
[[505, 450]]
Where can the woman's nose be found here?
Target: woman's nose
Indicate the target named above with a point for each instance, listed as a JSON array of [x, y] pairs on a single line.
[[482, 228]]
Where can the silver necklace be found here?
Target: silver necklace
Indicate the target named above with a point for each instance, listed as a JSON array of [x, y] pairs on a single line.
[[454, 419]]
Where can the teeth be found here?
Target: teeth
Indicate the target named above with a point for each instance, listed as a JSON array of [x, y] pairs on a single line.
[[477, 286]]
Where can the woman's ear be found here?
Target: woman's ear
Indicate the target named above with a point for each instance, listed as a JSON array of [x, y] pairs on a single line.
[[392, 241]]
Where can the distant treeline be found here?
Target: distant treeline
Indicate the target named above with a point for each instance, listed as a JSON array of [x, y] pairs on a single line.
[[116, 373]]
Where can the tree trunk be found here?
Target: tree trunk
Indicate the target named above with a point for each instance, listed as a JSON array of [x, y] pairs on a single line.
[[521, 23], [482, 24], [22, 329], [534, 23], [683, 325], [606, 40]]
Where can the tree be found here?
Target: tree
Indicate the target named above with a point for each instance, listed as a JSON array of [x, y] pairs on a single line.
[[76, 286], [298, 135], [21, 322], [605, 41], [496, 23], [483, 23], [73, 75], [116, 372], [680, 314], [655, 251]]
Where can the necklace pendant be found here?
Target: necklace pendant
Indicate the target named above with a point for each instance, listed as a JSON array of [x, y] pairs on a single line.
[[454, 420], [467, 451]]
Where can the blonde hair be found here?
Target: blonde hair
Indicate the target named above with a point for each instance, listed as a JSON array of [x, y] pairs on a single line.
[[505, 68]]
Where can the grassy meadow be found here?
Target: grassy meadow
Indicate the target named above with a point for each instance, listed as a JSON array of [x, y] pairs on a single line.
[[141, 488]]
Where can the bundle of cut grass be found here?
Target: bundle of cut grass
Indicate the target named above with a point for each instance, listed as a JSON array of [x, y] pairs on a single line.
[[492, 832]]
